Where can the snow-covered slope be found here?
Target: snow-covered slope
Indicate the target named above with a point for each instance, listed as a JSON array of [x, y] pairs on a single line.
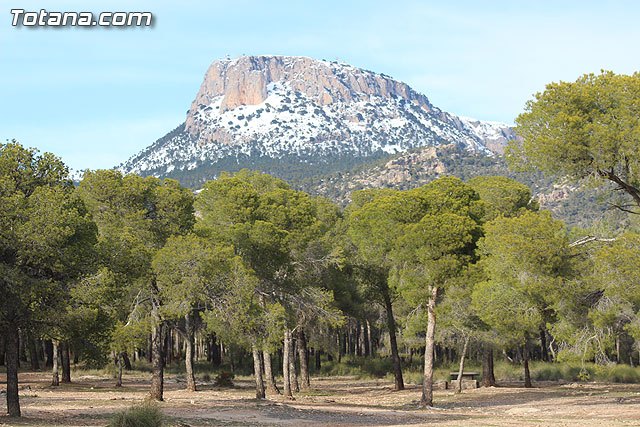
[[306, 111]]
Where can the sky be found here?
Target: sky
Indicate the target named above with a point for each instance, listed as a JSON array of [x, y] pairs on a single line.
[[96, 96]]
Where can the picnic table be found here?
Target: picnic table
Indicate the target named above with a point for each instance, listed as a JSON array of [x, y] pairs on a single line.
[[465, 376], [468, 379]]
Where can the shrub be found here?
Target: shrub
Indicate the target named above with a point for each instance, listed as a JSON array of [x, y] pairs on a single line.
[[360, 367], [568, 371], [145, 415], [410, 377], [617, 373], [548, 372], [224, 379]]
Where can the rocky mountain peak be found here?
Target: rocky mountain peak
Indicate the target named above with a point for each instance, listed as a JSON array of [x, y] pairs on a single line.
[[295, 116], [246, 81]]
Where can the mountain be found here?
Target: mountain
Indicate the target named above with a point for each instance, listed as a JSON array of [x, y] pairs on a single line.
[[330, 129], [297, 118]]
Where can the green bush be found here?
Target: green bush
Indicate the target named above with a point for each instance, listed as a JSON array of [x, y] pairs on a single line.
[[376, 367], [145, 415], [576, 372], [568, 371], [342, 369], [411, 377], [504, 371], [360, 367], [617, 374], [224, 379], [548, 372]]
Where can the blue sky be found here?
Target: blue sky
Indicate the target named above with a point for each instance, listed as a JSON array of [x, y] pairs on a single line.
[[97, 96]]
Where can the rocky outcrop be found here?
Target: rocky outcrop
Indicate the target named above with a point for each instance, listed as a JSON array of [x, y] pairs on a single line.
[[408, 170], [558, 192], [245, 81], [403, 169]]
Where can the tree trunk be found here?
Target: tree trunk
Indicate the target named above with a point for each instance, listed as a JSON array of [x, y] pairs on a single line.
[[461, 368], [47, 350], [188, 357], [286, 365], [272, 388], [293, 374], [303, 355], [366, 338], [41, 352], [12, 349], [167, 350], [358, 338], [488, 378], [527, 374], [372, 350], [231, 359], [22, 354], [391, 325], [66, 362], [544, 353], [119, 363], [427, 383], [149, 352], [3, 349], [318, 360], [216, 354], [257, 371], [551, 350], [157, 360], [55, 381], [33, 354], [126, 361]]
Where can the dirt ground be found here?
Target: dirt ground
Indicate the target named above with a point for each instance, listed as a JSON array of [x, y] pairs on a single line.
[[91, 400]]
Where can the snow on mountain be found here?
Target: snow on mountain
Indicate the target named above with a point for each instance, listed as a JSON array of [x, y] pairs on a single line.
[[494, 134], [297, 109]]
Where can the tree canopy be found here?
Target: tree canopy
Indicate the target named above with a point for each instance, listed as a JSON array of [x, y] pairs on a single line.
[[589, 128]]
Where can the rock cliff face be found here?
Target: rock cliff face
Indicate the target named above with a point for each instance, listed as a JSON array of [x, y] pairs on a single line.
[[299, 111], [244, 81]]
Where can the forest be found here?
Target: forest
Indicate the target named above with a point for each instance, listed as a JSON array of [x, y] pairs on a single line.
[[250, 273]]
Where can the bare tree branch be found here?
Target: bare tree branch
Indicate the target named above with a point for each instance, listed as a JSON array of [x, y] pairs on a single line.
[[587, 239], [623, 208]]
